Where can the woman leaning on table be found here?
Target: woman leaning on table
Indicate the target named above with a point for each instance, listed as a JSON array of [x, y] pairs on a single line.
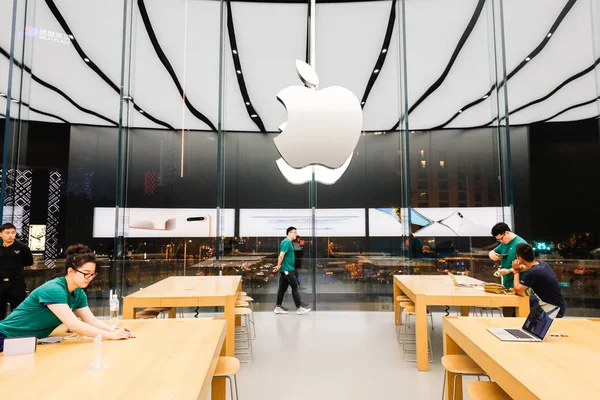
[[61, 301]]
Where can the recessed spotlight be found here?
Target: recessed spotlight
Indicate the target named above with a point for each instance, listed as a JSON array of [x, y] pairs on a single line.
[[384, 51], [86, 59], [460, 111], [550, 34], [528, 59], [376, 71], [71, 37], [239, 72], [485, 96], [141, 111], [247, 103], [234, 51], [127, 98], [254, 115], [363, 103]]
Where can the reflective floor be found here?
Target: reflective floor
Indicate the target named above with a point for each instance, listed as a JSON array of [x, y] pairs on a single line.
[[335, 355]]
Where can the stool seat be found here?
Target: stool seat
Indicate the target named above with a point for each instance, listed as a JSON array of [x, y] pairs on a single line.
[[146, 314], [245, 298], [242, 311], [242, 293], [400, 298], [486, 391], [227, 366], [242, 304], [460, 364], [159, 309], [408, 310]]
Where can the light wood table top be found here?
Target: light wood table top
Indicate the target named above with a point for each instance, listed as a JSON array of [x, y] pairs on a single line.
[[168, 359], [191, 286], [557, 368], [439, 290]]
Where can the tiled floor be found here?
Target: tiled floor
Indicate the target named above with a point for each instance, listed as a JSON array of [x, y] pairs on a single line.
[[335, 355]]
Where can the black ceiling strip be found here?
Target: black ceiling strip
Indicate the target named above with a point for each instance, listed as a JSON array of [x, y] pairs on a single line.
[[461, 42], [527, 60], [57, 90], [235, 53], [585, 103], [553, 92], [304, 1], [382, 55], [63, 23], [165, 62], [40, 111]]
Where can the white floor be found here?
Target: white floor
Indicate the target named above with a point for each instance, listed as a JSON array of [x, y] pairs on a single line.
[[335, 355]]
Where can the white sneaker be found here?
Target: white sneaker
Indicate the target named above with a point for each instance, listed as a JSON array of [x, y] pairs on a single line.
[[279, 310], [301, 310]]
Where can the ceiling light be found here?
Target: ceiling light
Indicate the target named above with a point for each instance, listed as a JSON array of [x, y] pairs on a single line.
[[239, 72], [14, 101], [247, 103], [528, 59], [71, 37], [141, 111], [460, 111], [2, 94], [442, 163], [254, 115], [86, 59], [384, 51], [234, 51], [550, 34], [485, 96], [423, 164], [363, 103], [376, 71], [422, 152]]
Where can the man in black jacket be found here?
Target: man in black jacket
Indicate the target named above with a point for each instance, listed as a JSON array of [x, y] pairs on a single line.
[[14, 257]]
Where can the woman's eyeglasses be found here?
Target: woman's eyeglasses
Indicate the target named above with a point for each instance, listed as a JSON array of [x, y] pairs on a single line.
[[86, 275]]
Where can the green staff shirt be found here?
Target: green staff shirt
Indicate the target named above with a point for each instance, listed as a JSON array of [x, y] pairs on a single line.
[[506, 262], [34, 318], [290, 258]]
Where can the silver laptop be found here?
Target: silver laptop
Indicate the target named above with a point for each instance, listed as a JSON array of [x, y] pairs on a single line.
[[455, 281], [534, 329]]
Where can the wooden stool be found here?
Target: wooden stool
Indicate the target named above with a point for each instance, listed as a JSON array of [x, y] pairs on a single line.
[[242, 304], [461, 366], [409, 312], [146, 314], [486, 391], [160, 310], [226, 368], [245, 313]]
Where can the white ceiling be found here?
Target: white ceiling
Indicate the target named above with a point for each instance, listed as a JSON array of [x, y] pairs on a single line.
[[271, 36]]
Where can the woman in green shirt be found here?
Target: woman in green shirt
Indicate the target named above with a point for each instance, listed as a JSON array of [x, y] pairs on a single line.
[[61, 301]]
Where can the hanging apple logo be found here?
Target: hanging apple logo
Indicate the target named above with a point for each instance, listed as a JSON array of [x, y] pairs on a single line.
[[322, 130]]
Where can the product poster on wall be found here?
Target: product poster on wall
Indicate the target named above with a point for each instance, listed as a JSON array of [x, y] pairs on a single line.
[[343, 222], [163, 222]]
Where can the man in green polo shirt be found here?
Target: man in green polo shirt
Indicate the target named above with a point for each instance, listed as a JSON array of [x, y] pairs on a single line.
[[287, 274], [506, 253]]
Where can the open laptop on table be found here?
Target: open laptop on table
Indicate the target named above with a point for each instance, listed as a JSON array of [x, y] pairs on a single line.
[[534, 329], [455, 282]]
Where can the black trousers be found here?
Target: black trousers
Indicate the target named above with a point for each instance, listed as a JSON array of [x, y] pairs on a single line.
[[13, 292], [286, 280]]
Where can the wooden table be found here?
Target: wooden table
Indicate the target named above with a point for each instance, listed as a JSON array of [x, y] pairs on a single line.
[[190, 291], [557, 368], [438, 290], [168, 359]]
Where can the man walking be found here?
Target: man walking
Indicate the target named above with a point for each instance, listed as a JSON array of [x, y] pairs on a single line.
[[287, 274], [14, 257]]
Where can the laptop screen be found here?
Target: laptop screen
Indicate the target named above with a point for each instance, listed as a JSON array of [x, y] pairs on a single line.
[[539, 320]]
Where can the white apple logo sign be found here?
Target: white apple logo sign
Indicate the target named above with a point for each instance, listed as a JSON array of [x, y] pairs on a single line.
[[322, 130]]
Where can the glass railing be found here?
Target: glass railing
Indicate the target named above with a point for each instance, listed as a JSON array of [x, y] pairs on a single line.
[[353, 282]]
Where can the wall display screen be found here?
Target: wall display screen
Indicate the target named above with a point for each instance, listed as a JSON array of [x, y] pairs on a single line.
[[163, 222], [344, 222], [436, 222]]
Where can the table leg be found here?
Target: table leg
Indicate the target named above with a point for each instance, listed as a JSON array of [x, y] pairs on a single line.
[[128, 310], [230, 316], [218, 389], [422, 335], [173, 312], [396, 294], [464, 311], [523, 309], [450, 347]]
